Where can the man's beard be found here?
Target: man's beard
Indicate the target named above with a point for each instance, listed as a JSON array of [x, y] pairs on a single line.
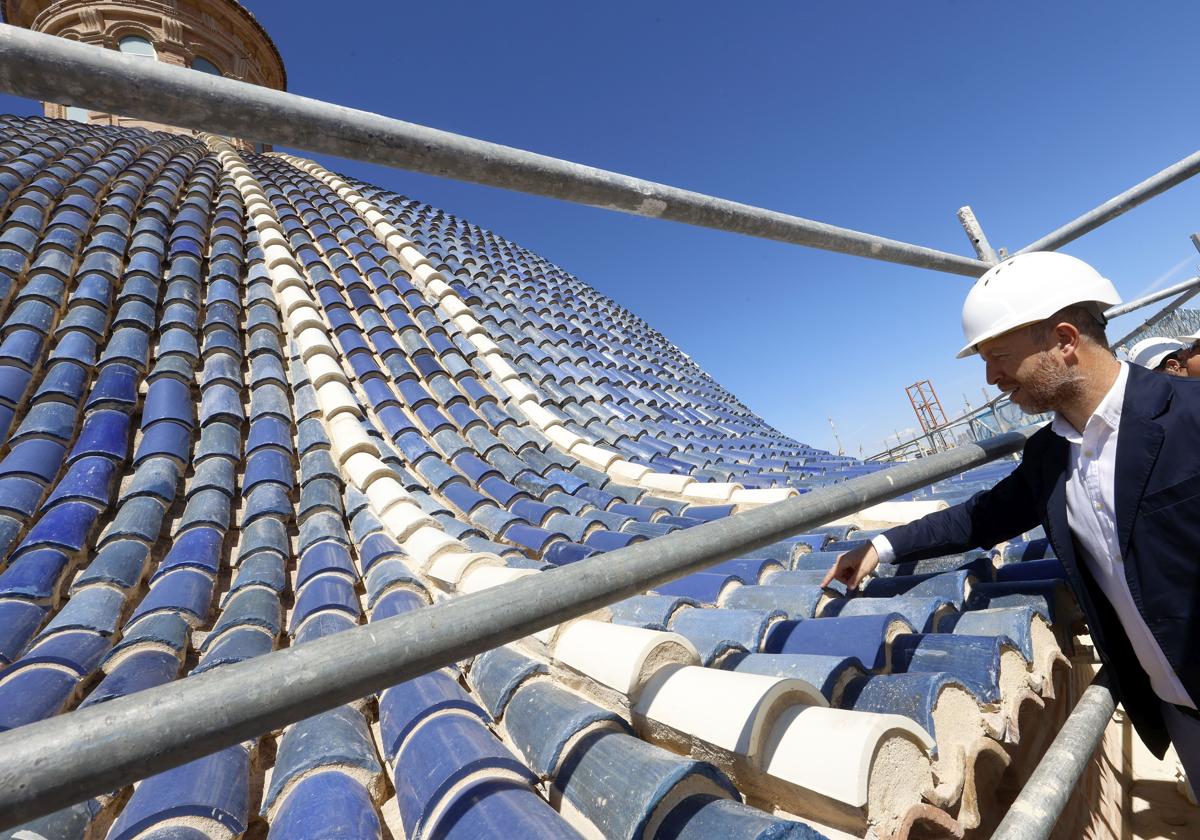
[[1050, 386]]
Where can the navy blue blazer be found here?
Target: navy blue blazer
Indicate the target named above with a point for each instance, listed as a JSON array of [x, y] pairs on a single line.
[[1158, 525]]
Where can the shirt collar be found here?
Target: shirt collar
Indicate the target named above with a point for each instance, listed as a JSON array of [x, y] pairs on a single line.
[[1107, 412]]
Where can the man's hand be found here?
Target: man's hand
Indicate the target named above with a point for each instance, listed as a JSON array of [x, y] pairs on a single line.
[[852, 566]]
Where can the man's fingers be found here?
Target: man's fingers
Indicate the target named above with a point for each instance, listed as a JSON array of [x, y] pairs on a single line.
[[842, 569], [849, 568], [831, 574]]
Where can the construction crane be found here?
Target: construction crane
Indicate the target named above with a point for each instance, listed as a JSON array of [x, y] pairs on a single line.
[[841, 449]]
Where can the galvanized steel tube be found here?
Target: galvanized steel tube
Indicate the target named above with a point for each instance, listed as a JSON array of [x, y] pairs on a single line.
[[1159, 315], [46, 67], [57, 762], [1132, 197], [974, 230], [1037, 808], [1153, 297]]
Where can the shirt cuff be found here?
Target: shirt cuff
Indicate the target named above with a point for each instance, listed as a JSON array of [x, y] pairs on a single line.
[[883, 547]]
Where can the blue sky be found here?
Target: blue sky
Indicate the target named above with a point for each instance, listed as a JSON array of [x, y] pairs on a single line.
[[885, 117]]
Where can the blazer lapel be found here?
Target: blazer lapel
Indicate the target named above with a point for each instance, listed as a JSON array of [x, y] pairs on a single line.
[[1138, 443], [1054, 476]]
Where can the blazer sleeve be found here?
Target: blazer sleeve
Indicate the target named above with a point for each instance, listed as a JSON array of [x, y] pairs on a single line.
[[989, 517]]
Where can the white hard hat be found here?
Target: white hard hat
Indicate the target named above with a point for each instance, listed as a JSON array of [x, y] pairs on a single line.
[[1026, 289], [1149, 352]]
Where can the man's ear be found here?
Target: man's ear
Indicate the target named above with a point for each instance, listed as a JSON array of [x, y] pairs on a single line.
[[1173, 367], [1067, 338]]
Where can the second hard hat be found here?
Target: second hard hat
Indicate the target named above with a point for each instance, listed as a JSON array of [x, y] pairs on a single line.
[[1150, 352], [1026, 289]]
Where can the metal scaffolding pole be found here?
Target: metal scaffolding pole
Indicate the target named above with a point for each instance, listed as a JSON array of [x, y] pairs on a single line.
[[46, 67], [57, 762], [1159, 315], [1041, 802], [1153, 297], [1132, 197], [979, 241]]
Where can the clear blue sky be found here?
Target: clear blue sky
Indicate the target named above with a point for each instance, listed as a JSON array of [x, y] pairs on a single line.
[[884, 117]]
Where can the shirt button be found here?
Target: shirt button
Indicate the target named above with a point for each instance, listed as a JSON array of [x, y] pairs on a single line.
[[1088, 454], [1099, 506]]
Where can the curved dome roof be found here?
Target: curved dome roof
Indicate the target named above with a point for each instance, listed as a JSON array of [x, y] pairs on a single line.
[[246, 403]]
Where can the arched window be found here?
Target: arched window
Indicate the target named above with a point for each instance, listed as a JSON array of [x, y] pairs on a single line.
[[206, 66], [78, 114], [137, 45]]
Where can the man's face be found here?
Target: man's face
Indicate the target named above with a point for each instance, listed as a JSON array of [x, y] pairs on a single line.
[[1030, 369], [1192, 365]]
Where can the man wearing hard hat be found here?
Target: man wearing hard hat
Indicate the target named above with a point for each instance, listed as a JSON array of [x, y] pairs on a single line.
[[1163, 355], [1114, 480], [1192, 365]]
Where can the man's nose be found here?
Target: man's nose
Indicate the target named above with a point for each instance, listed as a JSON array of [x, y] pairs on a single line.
[[991, 373]]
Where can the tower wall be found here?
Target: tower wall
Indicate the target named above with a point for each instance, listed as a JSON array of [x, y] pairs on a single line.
[[186, 33]]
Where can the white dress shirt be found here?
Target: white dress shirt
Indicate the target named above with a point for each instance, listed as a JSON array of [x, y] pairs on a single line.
[[1091, 514]]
